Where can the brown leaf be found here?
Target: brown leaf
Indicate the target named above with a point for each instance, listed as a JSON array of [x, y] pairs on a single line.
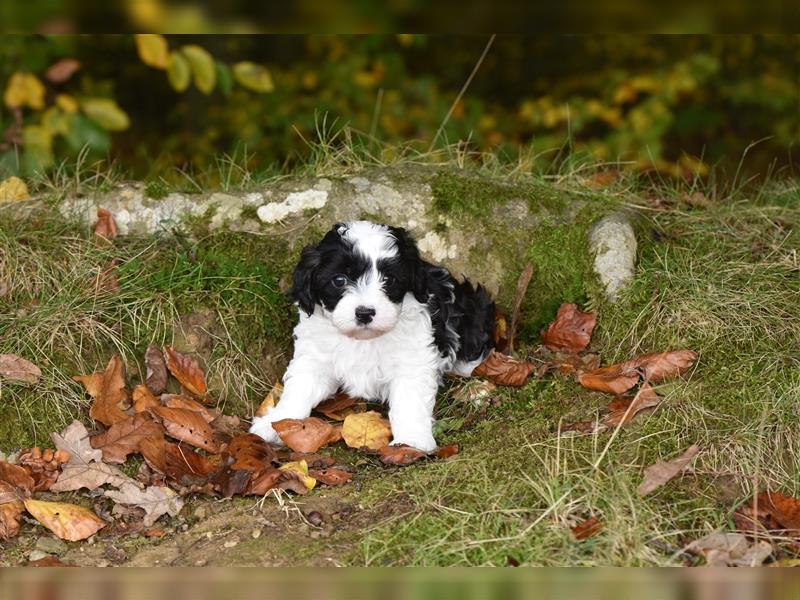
[[143, 399], [661, 472], [620, 377], [588, 528], [178, 401], [664, 365], [784, 509], [227, 425], [48, 561], [305, 435], [250, 452], [181, 463], [522, 287], [124, 437], [17, 477], [332, 476], [105, 227], [504, 370], [262, 482], [500, 331], [400, 454], [10, 513], [186, 370], [156, 376], [154, 500], [187, 426], [336, 408], [16, 368], [571, 331], [474, 391], [44, 466], [108, 390], [446, 452], [368, 429], [62, 70], [68, 521], [270, 400], [107, 280], [621, 411], [314, 461], [612, 379], [232, 482]]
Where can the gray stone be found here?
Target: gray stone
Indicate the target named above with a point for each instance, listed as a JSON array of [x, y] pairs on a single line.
[[612, 241], [51, 545], [37, 555]]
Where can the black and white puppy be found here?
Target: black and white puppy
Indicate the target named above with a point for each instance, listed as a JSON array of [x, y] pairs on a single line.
[[380, 323]]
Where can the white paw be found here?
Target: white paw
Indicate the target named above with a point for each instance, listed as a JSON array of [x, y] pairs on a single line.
[[262, 427], [424, 442]]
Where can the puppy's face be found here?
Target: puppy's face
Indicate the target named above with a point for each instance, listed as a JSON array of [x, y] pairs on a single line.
[[358, 276]]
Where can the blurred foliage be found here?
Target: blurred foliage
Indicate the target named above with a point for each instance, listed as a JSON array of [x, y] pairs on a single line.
[[675, 104]]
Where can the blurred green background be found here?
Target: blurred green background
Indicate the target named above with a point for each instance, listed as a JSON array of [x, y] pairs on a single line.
[[159, 105]]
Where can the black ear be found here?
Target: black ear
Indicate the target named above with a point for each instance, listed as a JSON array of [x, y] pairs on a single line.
[[409, 254], [302, 288]]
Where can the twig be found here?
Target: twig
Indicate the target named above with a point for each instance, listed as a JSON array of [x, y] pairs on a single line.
[[522, 287]]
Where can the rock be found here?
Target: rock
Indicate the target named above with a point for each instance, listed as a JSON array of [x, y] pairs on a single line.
[[201, 512], [613, 243], [37, 555], [51, 545]]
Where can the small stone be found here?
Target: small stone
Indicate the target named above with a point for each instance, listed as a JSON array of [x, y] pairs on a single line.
[[201, 562], [231, 543], [201, 512], [256, 534], [37, 555], [51, 545], [315, 518], [613, 243], [315, 534]]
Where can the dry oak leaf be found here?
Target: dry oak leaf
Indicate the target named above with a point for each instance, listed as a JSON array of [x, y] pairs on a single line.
[[270, 400], [250, 452], [156, 375], [10, 513], [155, 500], [366, 430], [400, 454], [187, 426], [108, 390], [336, 408], [186, 370], [306, 435], [10, 493], [124, 437], [571, 331], [661, 472], [784, 509], [16, 368], [231, 482], [178, 401], [331, 476], [504, 370], [68, 521], [730, 549], [105, 227], [18, 477], [144, 399], [588, 528]]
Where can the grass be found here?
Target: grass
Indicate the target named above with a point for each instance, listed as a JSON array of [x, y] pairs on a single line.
[[723, 281]]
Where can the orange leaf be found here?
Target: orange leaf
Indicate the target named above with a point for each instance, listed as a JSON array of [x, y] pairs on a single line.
[[62, 70], [305, 435], [270, 400], [784, 509], [586, 529], [108, 390], [620, 377], [188, 426], [143, 399], [663, 365], [612, 379], [186, 370], [331, 477], [177, 401], [105, 227], [175, 461], [10, 513], [334, 407], [504, 370], [68, 521], [124, 437], [447, 451], [571, 331], [400, 455], [250, 453]]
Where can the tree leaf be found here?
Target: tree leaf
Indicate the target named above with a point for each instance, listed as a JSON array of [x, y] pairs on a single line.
[[75, 441], [105, 226], [108, 390], [124, 437], [299, 470], [13, 189], [15, 368], [305, 435], [612, 379], [62, 70], [143, 399], [203, 67], [620, 377], [331, 476], [181, 463], [186, 370], [24, 89], [336, 408], [621, 412], [188, 426], [504, 370], [10, 513], [588, 528], [67, 103], [153, 49], [366, 430], [178, 401], [253, 76], [157, 376], [784, 509], [571, 331], [400, 455], [270, 400], [224, 78], [155, 500], [250, 453], [664, 365], [179, 73], [106, 113], [17, 477], [68, 521], [661, 472]]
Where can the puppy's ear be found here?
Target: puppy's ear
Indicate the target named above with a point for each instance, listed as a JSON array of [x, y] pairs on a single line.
[[409, 254], [302, 290]]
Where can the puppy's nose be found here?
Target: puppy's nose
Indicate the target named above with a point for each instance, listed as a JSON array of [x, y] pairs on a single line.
[[364, 314]]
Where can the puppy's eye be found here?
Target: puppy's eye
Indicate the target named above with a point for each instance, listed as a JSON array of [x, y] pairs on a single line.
[[389, 280], [339, 281]]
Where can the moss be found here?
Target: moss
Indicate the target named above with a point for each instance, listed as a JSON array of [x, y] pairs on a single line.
[[156, 190]]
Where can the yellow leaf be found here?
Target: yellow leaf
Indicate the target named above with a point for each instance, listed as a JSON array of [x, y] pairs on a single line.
[[253, 76], [270, 400], [179, 72], [67, 521], [368, 429], [38, 142], [66, 103], [203, 67], [24, 89], [106, 113], [301, 468], [152, 49], [13, 189], [55, 121]]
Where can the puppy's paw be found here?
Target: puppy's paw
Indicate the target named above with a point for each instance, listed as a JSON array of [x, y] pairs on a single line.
[[424, 442], [262, 427]]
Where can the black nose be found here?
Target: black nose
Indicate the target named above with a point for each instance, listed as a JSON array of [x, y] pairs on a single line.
[[364, 314]]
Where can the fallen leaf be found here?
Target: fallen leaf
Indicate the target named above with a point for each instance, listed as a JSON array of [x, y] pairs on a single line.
[[13, 189], [621, 412], [124, 437], [446, 452], [75, 441], [48, 561], [298, 470], [105, 227], [663, 365], [156, 532], [250, 452], [186, 370], [68, 521], [155, 500], [504, 370], [612, 379], [227, 425], [474, 391], [620, 377], [784, 509], [17, 477], [571, 331], [332, 476], [264, 481], [187, 426], [270, 400], [232, 482], [108, 390], [314, 461], [586, 529], [305, 435], [661, 472], [336, 408], [156, 375], [178, 401], [181, 463], [44, 466], [719, 549], [522, 287], [15, 368], [10, 513], [144, 399], [366, 430], [500, 331], [400, 454], [10, 493], [62, 70]]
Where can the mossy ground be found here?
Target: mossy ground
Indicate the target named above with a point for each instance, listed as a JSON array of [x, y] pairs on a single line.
[[723, 281]]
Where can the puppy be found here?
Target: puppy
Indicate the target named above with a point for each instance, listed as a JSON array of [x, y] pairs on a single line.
[[380, 323]]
